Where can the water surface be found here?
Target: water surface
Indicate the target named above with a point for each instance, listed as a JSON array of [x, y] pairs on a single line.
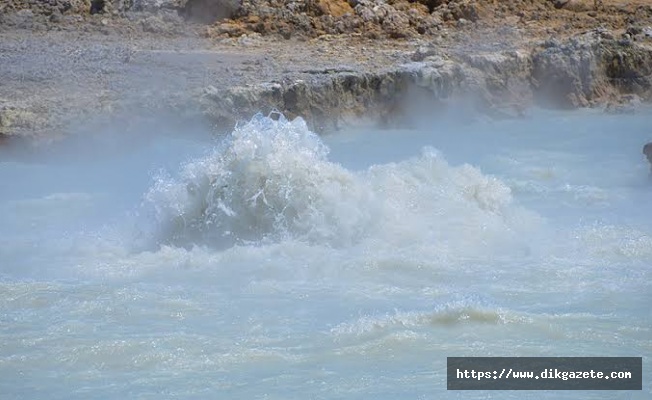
[[276, 264]]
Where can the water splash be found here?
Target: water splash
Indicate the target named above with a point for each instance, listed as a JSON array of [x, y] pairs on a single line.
[[268, 180], [271, 180]]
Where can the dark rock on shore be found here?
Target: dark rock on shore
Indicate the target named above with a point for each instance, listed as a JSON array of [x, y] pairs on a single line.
[[647, 150]]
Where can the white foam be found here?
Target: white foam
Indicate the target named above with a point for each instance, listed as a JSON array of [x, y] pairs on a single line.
[[271, 180], [268, 180], [449, 314]]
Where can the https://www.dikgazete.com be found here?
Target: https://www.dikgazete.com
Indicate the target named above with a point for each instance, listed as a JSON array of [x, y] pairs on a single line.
[[544, 373], [548, 373]]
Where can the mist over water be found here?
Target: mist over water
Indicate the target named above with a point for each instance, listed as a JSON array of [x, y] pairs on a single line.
[[274, 263]]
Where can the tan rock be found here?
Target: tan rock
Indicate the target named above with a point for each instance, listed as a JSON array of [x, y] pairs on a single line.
[[12, 119], [80, 6], [252, 19], [336, 8], [230, 28]]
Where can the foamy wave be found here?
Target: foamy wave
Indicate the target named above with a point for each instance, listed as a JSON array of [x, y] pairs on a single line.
[[616, 242], [432, 173], [268, 180], [446, 315], [271, 180]]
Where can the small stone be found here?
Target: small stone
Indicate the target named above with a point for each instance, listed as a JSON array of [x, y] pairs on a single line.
[[647, 150], [647, 32]]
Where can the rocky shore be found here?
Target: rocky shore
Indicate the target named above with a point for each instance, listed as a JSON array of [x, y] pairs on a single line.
[[335, 63]]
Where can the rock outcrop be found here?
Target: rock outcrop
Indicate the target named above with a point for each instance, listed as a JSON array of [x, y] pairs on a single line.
[[647, 150], [371, 18], [588, 70]]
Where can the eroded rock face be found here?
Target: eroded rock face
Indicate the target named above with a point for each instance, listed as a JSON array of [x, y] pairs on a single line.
[[589, 68], [576, 73], [495, 83], [326, 105], [628, 68], [569, 74]]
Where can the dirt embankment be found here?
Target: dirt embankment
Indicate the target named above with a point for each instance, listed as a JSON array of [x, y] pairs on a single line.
[[331, 61], [414, 18]]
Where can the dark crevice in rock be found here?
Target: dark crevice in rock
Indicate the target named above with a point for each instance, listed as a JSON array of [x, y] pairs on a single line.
[[327, 71], [97, 6], [431, 4]]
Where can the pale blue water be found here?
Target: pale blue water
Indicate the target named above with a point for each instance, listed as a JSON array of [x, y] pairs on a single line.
[[281, 266]]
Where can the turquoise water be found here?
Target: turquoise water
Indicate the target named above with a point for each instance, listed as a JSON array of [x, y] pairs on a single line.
[[276, 264]]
